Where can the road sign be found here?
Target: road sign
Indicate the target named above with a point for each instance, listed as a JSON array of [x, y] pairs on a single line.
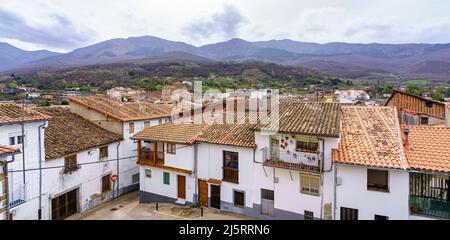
[[114, 177]]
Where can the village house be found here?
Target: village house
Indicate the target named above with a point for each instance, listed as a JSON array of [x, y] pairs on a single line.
[[124, 119], [370, 167], [428, 154], [351, 96], [5, 152], [23, 129], [80, 159], [245, 168], [295, 161], [416, 110], [379, 161]]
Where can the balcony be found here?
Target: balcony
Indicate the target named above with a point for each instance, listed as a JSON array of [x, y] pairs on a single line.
[[148, 156], [17, 196], [299, 161], [429, 207]]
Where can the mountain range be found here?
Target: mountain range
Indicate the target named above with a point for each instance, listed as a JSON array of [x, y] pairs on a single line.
[[348, 60]]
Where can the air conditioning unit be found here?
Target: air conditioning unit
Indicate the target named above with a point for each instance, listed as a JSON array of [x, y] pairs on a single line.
[[338, 181]]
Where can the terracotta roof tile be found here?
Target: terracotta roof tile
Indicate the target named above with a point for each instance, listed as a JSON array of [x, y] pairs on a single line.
[[240, 133], [309, 118], [370, 136], [428, 148], [13, 113], [6, 150], [124, 111], [68, 133], [184, 133]]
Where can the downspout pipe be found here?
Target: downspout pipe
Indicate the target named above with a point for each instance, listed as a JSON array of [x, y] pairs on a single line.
[[40, 170], [5, 170], [197, 199], [334, 192], [117, 169]]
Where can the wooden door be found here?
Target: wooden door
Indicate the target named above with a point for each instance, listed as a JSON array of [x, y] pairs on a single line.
[[203, 192], [215, 196], [65, 205], [181, 186]]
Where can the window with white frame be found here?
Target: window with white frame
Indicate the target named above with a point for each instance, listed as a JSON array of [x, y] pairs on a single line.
[[310, 184], [103, 152]]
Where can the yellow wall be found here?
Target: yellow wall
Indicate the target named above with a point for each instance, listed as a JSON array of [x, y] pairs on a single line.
[[101, 120]]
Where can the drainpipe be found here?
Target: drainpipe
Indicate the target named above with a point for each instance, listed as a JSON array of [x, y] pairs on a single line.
[[40, 171], [447, 115], [196, 174], [334, 192], [118, 177], [5, 170]]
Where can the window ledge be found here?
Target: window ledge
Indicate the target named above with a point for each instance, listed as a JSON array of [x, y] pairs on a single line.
[[378, 190]]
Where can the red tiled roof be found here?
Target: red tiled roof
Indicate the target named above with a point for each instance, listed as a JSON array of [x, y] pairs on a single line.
[[6, 150], [123, 111], [13, 113], [67, 133], [428, 148], [370, 136]]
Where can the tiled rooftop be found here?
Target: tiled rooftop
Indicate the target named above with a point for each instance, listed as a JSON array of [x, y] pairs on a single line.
[[371, 137], [6, 150], [184, 133], [428, 148], [68, 133], [124, 111], [14, 113], [309, 118]]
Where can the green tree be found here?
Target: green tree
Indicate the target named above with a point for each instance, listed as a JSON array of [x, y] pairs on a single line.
[[413, 89]]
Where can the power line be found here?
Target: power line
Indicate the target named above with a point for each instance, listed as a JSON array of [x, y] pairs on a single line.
[[81, 164]]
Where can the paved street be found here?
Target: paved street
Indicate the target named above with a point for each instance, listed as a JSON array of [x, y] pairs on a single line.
[[127, 207]]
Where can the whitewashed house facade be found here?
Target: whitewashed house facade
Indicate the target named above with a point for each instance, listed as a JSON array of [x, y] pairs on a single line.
[[23, 129], [124, 119], [80, 161]]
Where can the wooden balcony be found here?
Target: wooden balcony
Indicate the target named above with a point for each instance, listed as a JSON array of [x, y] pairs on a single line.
[[230, 175], [151, 157]]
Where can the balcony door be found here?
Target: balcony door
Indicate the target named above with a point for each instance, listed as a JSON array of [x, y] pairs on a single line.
[[274, 148]]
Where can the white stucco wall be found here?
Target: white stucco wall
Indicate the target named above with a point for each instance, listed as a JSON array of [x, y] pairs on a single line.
[[210, 163], [287, 191], [155, 183], [87, 179], [28, 210], [353, 193], [183, 157]]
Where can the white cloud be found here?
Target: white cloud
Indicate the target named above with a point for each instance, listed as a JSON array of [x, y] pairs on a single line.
[[205, 21]]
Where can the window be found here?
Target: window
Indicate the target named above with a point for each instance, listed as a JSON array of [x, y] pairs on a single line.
[[160, 121], [423, 120], [135, 178], [146, 124], [12, 141], [19, 139], [380, 217], [231, 167], [171, 148], [308, 215], [310, 184], [377, 180], [307, 144], [148, 173], [349, 214], [131, 127], [70, 164], [166, 178], [238, 199], [103, 152], [106, 183], [429, 104]]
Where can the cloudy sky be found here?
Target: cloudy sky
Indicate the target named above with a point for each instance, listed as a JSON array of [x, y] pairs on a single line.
[[63, 25]]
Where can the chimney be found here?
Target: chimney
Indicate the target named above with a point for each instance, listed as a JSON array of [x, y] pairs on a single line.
[[406, 136]]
